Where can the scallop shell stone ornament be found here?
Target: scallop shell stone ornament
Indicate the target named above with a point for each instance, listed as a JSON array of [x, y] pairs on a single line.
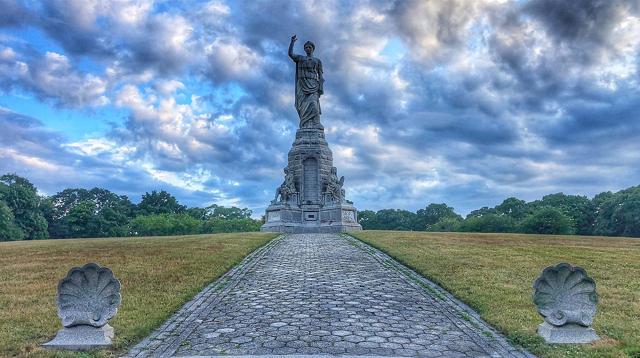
[[88, 295], [564, 294]]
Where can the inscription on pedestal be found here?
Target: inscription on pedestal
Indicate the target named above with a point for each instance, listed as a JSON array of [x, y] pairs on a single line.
[[311, 185], [348, 216], [274, 216]]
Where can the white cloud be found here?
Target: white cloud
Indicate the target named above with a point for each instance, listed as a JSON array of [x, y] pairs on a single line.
[[54, 77], [129, 12], [28, 160], [231, 60]]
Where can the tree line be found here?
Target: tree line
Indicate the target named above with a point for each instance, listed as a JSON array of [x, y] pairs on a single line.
[[76, 213], [606, 214]]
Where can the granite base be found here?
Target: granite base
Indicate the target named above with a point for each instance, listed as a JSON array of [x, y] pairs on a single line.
[[334, 218], [82, 338], [570, 333]]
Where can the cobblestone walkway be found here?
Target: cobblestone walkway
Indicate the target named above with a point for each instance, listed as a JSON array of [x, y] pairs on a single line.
[[312, 294]]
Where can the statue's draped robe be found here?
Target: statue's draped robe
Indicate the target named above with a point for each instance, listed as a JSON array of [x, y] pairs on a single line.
[[308, 87]]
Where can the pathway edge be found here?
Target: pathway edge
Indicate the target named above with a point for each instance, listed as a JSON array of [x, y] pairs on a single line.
[[434, 290], [180, 320]]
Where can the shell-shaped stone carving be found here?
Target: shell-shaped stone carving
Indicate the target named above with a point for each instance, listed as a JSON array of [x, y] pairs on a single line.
[[88, 295], [565, 294]]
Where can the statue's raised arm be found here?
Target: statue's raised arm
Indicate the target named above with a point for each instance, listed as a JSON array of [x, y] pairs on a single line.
[[293, 56]]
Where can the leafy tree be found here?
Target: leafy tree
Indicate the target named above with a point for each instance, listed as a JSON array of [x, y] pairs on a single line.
[[8, 230], [579, 209], [433, 213], [59, 207], [488, 222], [618, 214], [164, 224], [547, 220], [89, 213], [213, 226], [197, 213], [13, 179], [159, 203], [21, 197], [81, 221], [601, 198], [394, 219], [220, 212], [513, 207], [367, 219], [446, 224], [481, 212], [112, 213]]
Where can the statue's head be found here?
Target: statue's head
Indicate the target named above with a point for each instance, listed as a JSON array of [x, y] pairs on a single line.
[[309, 47]]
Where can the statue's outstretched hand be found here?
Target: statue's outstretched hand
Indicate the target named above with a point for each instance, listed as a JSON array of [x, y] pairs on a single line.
[[294, 38]]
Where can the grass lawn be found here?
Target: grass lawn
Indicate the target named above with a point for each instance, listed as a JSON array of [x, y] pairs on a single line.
[[158, 275], [494, 274]]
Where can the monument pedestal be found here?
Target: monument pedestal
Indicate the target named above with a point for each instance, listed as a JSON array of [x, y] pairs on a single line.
[[311, 199], [311, 219]]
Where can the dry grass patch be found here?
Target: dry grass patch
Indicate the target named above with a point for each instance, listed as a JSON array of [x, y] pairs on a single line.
[[158, 275], [494, 273]]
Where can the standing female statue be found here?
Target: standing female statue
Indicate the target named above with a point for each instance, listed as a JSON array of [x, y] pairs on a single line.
[[309, 83]]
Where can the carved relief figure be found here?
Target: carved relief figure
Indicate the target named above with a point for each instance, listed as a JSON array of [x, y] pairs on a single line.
[[287, 189], [334, 186], [309, 85]]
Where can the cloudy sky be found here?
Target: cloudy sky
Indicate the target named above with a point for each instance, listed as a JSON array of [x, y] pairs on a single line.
[[465, 101]]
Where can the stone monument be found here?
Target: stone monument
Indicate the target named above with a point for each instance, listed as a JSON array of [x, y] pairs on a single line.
[[566, 298], [87, 298], [311, 197]]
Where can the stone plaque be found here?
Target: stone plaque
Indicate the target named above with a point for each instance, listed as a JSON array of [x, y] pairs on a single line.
[[274, 216], [311, 185], [348, 216]]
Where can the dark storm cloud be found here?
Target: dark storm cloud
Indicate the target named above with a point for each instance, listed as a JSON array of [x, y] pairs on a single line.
[[25, 134], [441, 128], [558, 94], [585, 26], [14, 13], [72, 25], [585, 124], [581, 38]]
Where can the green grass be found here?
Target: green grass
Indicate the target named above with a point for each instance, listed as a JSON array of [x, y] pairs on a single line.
[[158, 275], [494, 274]]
